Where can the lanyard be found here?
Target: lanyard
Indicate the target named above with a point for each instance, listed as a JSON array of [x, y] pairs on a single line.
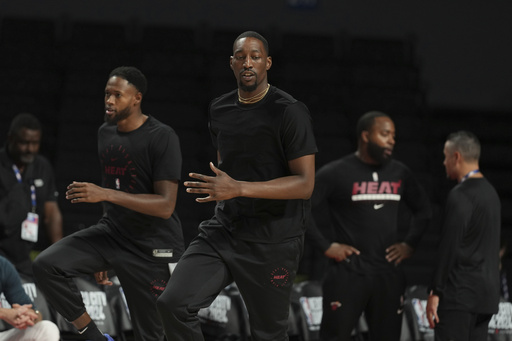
[[465, 177], [32, 187]]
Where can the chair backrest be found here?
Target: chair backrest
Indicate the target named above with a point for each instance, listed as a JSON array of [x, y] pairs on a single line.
[[307, 306], [226, 318], [415, 304]]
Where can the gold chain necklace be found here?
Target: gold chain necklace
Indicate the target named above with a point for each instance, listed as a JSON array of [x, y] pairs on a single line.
[[254, 98]]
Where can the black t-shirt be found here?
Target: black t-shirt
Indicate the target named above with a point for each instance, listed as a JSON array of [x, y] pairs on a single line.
[[132, 162], [363, 202], [255, 143], [467, 274]]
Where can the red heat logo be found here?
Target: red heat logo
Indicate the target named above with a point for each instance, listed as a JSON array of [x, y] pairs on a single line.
[[279, 277]]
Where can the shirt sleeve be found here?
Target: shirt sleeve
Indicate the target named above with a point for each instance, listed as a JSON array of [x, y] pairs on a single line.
[[167, 160], [297, 134], [455, 221], [319, 226], [11, 284]]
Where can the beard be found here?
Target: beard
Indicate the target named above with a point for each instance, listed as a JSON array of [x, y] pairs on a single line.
[[377, 153], [248, 88], [118, 116], [27, 158]]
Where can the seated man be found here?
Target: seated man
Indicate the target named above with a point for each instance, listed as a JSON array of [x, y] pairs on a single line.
[[27, 321]]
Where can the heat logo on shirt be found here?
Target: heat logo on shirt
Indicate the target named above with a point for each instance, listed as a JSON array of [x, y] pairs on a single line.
[[118, 169], [376, 191]]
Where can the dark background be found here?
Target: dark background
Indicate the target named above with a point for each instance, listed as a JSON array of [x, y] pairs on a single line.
[[433, 67]]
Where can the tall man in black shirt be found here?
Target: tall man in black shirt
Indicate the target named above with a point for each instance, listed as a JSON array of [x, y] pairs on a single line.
[[262, 182], [362, 192], [465, 290]]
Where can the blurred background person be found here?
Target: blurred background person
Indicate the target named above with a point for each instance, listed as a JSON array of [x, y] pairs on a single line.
[[465, 289], [28, 195]]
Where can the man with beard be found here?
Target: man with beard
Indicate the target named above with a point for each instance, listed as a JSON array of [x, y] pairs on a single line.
[[28, 196], [362, 193], [262, 184], [139, 235]]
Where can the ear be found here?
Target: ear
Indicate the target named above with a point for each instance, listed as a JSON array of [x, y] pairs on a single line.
[[269, 63], [364, 136], [458, 156], [138, 97], [231, 62]]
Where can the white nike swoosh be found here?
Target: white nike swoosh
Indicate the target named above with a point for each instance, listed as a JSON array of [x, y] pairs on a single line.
[[83, 331], [378, 206]]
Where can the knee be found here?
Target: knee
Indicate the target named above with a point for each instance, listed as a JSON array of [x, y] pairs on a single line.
[[171, 303], [48, 331], [41, 266]]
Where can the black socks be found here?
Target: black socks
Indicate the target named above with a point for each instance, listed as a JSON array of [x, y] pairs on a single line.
[[91, 332]]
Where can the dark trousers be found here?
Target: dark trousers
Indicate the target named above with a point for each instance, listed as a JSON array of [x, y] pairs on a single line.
[[457, 325], [264, 274], [92, 250], [346, 295]]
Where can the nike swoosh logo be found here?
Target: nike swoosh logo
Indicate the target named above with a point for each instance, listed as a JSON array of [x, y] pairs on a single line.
[[378, 206], [83, 331]]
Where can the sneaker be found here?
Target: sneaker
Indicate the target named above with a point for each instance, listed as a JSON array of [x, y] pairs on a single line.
[[109, 338]]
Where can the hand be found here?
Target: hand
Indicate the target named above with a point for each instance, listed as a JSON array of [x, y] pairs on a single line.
[[432, 304], [102, 278], [84, 192], [340, 252], [398, 252], [21, 316], [218, 187]]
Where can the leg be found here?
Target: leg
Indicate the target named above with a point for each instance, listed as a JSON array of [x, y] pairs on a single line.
[[345, 295], [43, 330], [264, 274], [198, 278], [142, 283], [55, 268], [480, 328], [384, 310], [453, 325]]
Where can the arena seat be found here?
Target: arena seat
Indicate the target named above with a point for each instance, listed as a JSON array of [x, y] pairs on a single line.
[[226, 318]]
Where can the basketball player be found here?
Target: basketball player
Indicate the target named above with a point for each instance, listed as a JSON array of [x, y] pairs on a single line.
[[262, 182], [362, 192], [139, 234]]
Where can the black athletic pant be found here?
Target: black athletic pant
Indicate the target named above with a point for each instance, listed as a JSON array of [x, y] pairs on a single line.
[[264, 274], [455, 325], [346, 295], [92, 250]]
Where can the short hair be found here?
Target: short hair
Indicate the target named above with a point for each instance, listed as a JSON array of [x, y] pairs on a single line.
[[24, 120], [466, 143], [366, 121], [133, 75], [253, 34]]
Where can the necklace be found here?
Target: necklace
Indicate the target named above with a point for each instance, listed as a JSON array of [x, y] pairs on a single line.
[[254, 98]]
